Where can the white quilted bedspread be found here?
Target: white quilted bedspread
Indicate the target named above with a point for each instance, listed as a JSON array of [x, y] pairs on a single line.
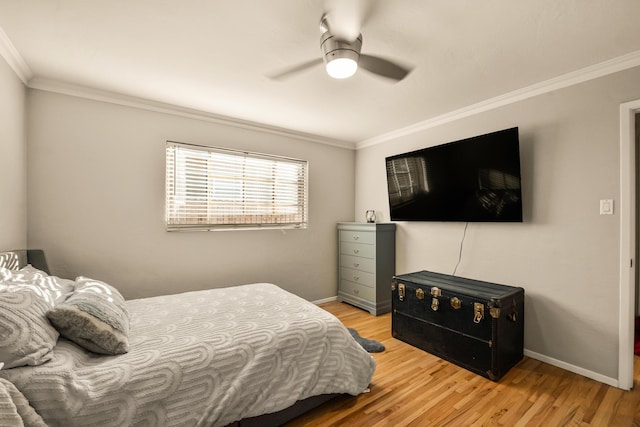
[[204, 358]]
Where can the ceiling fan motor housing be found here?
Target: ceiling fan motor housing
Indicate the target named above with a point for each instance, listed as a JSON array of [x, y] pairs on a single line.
[[334, 48]]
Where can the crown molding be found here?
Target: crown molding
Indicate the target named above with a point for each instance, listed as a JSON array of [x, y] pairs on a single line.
[[24, 73], [10, 54], [160, 107], [601, 69]]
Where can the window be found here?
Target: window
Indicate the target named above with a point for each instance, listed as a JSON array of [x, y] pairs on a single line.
[[215, 188]]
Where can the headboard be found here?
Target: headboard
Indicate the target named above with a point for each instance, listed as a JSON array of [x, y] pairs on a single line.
[[17, 259]]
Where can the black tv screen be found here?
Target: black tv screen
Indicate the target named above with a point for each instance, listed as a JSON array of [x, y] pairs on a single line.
[[475, 179]]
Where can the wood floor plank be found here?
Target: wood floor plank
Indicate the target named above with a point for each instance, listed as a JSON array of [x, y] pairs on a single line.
[[413, 388]]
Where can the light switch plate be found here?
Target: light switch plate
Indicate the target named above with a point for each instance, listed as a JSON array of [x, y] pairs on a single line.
[[606, 207]]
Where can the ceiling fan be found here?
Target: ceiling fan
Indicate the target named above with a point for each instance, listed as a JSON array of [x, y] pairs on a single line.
[[342, 58]]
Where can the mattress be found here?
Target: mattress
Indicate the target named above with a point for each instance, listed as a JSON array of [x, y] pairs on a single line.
[[205, 358]]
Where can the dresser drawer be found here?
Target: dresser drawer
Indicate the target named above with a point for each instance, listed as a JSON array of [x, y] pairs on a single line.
[[357, 249], [365, 237], [358, 263], [356, 290], [359, 277]]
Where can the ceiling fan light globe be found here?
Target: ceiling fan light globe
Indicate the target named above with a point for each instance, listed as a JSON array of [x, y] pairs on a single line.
[[341, 68]]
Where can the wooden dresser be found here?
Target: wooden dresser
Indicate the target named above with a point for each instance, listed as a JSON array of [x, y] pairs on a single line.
[[366, 265]]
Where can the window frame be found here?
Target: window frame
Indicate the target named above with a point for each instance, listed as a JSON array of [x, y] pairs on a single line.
[[283, 192]]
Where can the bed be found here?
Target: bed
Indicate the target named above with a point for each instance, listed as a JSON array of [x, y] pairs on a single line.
[[245, 355]]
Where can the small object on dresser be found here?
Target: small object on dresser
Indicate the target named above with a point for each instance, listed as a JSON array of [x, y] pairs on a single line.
[[370, 215]]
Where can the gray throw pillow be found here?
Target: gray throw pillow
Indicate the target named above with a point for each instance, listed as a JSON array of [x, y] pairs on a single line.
[[95, 317], [26, 336]]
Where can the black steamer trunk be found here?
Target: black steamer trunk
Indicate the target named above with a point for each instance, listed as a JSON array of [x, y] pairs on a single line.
[[476, 325]]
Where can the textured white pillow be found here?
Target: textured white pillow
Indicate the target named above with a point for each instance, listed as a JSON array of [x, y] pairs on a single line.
[[56, 288], [26, 336], [94, 317]]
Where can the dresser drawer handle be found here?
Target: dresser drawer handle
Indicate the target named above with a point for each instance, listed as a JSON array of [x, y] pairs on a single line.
[[356, 278], [356, 251], [356, 291], [356, 237], [356, 264]]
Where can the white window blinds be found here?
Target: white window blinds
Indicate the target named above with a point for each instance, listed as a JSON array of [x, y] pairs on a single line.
[[215, 188]]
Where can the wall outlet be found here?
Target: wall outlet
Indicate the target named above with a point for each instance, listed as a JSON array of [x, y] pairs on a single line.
[[606, 207]]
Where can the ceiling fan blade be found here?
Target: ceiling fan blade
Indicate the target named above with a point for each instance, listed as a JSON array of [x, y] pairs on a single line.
[[383, 67], [288, 72]]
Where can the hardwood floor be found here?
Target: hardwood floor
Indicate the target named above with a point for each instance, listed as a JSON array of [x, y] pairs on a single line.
[[414, 388]]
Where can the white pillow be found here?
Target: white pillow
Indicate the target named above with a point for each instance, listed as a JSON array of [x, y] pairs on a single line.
[[58, 289], [26, 336], [26, 274]]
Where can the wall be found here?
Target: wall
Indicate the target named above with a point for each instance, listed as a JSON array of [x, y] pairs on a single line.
[[564, 254], [96, 203], [637, 271], [13, 156]]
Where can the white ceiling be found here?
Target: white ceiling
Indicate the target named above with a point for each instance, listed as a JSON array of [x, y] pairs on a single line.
[[214, 55]]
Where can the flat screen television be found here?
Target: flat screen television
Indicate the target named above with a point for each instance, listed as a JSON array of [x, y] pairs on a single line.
[[475, 179]]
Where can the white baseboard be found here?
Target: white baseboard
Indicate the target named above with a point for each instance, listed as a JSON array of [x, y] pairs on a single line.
[[572, 368], [541, 357], [322, 301]]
